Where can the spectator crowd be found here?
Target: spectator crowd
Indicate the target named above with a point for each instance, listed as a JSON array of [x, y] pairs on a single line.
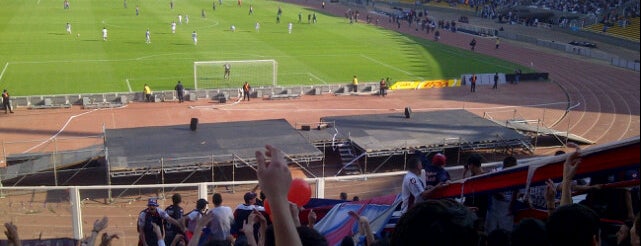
[[604, 216]]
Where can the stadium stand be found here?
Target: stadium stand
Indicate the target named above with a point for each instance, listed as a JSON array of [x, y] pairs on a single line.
[[630, 31]]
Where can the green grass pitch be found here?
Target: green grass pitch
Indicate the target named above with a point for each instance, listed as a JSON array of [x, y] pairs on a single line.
[[38, 57]]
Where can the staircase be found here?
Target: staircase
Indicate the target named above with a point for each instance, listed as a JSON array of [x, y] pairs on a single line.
[[347, 155]]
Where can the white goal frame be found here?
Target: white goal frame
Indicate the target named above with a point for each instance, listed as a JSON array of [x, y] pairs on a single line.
[[274, 68]]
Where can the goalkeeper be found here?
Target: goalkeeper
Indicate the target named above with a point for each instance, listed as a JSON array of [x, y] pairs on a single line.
[[227, 70]]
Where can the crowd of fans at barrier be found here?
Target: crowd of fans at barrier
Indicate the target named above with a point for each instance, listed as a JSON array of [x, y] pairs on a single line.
[[506, 11], [604, 217]]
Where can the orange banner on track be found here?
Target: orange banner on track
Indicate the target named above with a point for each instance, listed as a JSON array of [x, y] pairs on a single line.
[[432, 84], [426, 84]]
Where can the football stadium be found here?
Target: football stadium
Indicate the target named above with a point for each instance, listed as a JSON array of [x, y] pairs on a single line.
[[114, 107]]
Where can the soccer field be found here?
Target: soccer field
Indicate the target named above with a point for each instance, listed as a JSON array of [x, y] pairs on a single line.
[[39, 57]]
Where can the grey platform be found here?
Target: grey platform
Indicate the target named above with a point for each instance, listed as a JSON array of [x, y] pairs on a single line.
[[134, 151], [385, 134]]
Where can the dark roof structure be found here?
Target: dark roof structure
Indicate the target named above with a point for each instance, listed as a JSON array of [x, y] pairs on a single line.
[[177, 148], [388, 134]]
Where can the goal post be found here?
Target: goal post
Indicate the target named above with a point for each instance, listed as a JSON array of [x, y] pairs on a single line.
[[213, 75]]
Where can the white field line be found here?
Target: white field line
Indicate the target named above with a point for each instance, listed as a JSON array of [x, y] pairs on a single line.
[[4, 69], [317, 78], [388, 66], [60, 131], [65, 126], [103, 60], [128, 85]]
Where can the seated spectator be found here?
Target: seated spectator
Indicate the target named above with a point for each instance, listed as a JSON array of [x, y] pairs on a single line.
[[436, 223]]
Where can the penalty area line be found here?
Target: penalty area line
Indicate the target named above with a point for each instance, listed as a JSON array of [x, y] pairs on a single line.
[[128, 85], [4, 69], [388, 66], [317, 78]]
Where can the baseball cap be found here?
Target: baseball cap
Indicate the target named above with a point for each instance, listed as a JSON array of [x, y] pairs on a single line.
[[438, 159], [152, 202], [249, 195], [201, 203]]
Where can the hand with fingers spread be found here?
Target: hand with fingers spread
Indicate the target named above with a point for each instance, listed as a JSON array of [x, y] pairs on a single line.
[[107, 238], [294, 210], [311, 219], [274, 176], [363, 227], [275, 180], [262, 221], [202, 222], [550, 195], [571, 163], [248, 229], [100, 224], [12, 234], [570, 166]]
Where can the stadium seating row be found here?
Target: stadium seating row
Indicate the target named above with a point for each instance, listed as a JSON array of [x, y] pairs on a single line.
[[631, 31]]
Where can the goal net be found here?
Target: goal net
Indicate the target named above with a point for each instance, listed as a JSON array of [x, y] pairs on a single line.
[[232, 74]]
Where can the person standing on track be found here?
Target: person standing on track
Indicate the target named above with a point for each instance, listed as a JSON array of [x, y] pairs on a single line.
[[246, 90], [6, 102], [180, 92], [473, 82], [355, 83], [146, 91]]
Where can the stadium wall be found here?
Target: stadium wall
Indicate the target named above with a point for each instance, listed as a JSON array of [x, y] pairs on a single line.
[[113, 99]]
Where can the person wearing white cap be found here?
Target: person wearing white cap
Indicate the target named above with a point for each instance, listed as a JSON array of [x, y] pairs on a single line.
[[153, 215]]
